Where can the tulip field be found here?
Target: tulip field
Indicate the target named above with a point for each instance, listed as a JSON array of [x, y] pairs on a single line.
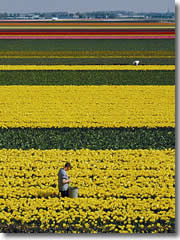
[[69, 106], [69, 92], [122, 191], [85, 30]]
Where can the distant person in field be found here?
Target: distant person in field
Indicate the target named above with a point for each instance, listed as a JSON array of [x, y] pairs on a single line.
[[63, 180]]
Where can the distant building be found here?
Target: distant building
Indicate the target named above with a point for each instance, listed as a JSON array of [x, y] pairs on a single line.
[[54, 18], [35, 17], [76, 16], [103, 15], [138, 16]]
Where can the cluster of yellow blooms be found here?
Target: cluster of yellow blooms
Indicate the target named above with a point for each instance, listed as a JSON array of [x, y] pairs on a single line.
[[87, 67], [87, 106], [119, 191]]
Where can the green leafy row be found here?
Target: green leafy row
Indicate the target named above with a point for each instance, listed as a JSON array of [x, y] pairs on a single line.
[[87, 77], [87, 45], [88, 53], [91, 138], [34, 226], [86, 61]]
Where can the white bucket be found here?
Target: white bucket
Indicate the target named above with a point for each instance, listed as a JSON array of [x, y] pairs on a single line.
[[73, 192]]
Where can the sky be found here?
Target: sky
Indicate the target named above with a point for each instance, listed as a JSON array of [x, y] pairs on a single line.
[[23, 6]]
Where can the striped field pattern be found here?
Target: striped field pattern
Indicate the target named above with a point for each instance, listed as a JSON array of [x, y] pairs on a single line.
[[83, 101], [81, 30]]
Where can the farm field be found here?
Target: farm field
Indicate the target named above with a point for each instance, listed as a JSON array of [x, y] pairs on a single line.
[[87, 77], [120, 191], [88, 45], [69, 106], [83, 101], [87, 138], [92, 51], [87, 67], [89, 52], [84, 61], [81, 30]]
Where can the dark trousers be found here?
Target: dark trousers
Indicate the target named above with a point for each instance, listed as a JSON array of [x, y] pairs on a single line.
[[64, 193]]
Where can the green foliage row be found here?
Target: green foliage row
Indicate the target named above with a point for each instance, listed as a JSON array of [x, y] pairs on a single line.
[[86, 61], [91, 138], [34, 227], [87, 45], [87, 77], [87, 53]]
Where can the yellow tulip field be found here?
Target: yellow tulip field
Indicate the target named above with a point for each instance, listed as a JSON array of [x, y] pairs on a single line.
[[86, 67], [87, 106], [120, 191]]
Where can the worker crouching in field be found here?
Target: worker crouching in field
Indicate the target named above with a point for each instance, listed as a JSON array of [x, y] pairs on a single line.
[[63, 180]]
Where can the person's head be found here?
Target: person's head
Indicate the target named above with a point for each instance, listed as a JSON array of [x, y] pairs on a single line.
[[67, 166]]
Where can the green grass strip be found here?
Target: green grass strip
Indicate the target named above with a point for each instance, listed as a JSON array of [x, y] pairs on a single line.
[[91, 138], [86, 54], [87, 45], [87, 77], [85, 61]]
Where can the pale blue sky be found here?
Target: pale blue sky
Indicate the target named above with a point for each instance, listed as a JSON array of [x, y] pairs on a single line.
[[85, 5]]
